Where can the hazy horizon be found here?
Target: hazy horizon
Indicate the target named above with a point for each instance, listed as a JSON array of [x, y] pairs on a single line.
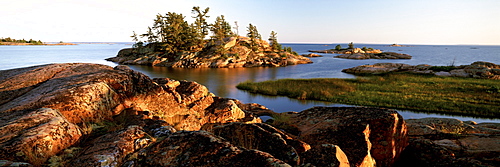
[[426, 22]]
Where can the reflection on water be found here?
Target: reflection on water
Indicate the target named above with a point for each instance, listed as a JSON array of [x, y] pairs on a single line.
[[222, 81]]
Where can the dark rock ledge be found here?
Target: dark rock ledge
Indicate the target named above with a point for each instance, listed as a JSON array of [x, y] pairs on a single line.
[[95, 115]]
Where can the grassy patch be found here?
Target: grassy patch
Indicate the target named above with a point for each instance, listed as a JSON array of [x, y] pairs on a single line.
[[464, 96]]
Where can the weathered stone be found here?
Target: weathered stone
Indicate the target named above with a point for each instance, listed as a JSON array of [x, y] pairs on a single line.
[[451, 142], [35, 135], [238, 53], [200, 148], [112, 148], [325, 155], [41, 106], [421, 152], [250, 136], [363, 133], [10, 163], [475, 70], [438, 126]]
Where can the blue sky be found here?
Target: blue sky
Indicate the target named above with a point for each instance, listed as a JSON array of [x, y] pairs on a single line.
[[312, 21]]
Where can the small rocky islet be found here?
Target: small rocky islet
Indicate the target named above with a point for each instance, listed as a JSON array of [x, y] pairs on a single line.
[[363, 53], [95, 115]]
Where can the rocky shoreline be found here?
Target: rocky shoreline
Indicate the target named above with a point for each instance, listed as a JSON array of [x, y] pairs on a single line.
[[94, 115], [478, 69]]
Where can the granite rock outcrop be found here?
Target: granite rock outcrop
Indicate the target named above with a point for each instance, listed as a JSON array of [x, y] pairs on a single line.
[[368, 136], [478, 69], [94, 115], [451, 142], [46, 109], [238, 53]]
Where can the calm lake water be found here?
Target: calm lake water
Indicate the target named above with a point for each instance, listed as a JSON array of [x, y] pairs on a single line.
[[222, 82]]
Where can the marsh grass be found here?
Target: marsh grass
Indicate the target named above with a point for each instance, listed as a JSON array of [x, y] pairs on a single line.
[[464, 96]]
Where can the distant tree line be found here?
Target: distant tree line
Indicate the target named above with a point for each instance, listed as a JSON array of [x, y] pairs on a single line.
[[31, 41], [172, 34]]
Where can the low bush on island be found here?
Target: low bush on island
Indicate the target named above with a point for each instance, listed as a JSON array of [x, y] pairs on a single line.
[[464, 96]]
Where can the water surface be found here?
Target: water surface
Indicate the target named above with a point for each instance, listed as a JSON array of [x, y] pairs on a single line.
[[222, 81]]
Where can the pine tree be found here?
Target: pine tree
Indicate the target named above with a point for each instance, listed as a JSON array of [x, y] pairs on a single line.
[[220, 30], [351, 45], [273, 40], [200, 23], [338, 47], [253, 34]]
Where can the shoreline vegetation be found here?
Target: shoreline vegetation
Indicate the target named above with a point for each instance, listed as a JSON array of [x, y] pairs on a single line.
[[417, 92], [17, 42]]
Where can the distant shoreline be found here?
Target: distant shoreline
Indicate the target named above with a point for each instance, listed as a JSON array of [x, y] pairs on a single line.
[[23, 44]]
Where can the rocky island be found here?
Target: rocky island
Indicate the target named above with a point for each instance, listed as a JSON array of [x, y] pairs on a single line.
[[172, 42], [478, 69], [94, 115], [362, 53], [237, 53]]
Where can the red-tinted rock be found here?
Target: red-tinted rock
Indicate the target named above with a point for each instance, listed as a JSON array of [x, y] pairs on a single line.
[[112, 148], [325, 155], [35, 135], [362, 133], [85, 94], [451, 142], [260, 137], [200, 148]]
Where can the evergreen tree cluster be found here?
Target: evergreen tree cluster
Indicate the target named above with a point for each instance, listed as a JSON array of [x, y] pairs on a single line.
[[172, 34], [31, 41]]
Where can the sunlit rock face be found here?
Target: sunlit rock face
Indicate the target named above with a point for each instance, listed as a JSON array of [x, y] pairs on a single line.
[[368, 136], [238, 53], [35, 135], [45, 109]]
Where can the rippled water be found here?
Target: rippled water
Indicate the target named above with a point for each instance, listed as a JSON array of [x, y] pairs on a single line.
[[222, 81]]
